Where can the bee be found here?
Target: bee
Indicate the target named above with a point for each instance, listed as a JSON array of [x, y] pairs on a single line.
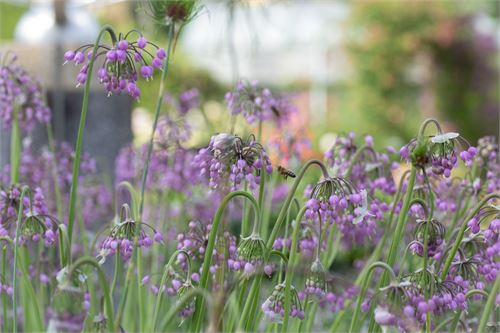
[[285, 172]]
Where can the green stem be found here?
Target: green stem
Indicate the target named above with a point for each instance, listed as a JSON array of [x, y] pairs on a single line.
[[461, 232], [284, 208], [4, 295], [117, 269], [291, 266], [79, 139], [397, 237], [400, 226], [198, 316], [490, 304], [108, 303], [159, 101], [15, 148], [355, 318]]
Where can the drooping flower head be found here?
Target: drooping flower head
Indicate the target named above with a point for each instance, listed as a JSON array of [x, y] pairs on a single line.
[[167, 12], [120, 63], [439, 152], [273, 306], [21, 95], [251, 253], [258, 104], [435, 231], [229, 162], [70, 302], [316, 280], [123, 235]]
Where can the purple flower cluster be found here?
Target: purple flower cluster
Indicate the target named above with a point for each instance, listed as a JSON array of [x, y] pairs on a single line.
[[258, 104], [120, 69], [122, 237], [438, 153], [229, 162], [187, 101], [21, 96], [36, 222], [39, 167]]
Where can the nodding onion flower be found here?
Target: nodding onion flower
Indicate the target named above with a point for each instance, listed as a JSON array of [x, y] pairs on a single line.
[[230, 161], [70, 302], [273, 305], [258, 104], [439, 152], [334, 194], [251, 253], [188, 309], [21, 95], [389, 301], [36, 222], [123, 235], [316, 281], [122, 62], [435, 238], [362, 164], [167, 12]]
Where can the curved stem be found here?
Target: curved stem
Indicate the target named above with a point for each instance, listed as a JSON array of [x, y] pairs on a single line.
[[291, 264], [104, 284], [163, 281], [456, 319], [198, 316], [426, 123], [378, 264], [461, 232], [79, 139], [284, 208], [490, 304]]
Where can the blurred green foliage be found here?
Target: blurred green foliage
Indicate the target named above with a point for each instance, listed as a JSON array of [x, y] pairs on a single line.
[[409, 65], [9, 16]]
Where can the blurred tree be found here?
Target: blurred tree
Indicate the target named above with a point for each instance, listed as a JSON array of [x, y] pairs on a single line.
[[412, 60]]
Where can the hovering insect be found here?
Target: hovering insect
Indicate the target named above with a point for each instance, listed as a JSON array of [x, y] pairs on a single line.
[[285, 172]]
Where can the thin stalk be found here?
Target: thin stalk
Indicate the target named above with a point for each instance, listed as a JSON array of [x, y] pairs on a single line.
[[284, 208], [398, 235], [163, 281], [159, 101], [198, 316], [355, 318], [79, 138], [489, 306], [15, 148], [291, 266], [117, 269], [4, 296]]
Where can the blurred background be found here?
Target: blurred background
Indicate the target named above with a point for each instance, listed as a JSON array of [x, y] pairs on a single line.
[[376, 67]]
